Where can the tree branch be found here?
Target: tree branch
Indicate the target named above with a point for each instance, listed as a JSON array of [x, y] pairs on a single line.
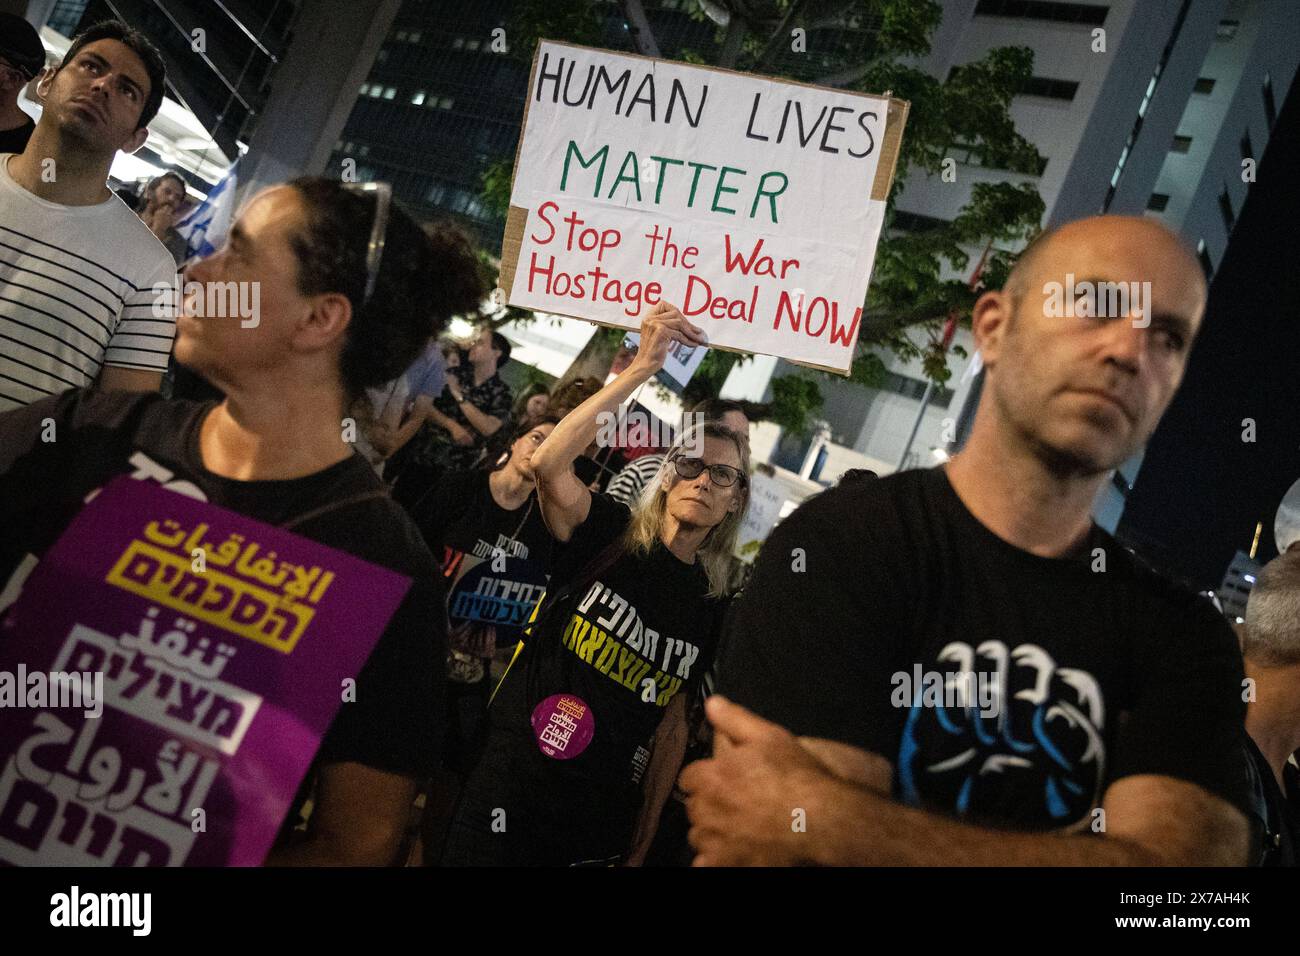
[[845, 77], [736, 31], [779, 35], [643, 38]]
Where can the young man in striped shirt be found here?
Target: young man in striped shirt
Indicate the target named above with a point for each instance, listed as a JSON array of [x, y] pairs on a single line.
[[87, 293]]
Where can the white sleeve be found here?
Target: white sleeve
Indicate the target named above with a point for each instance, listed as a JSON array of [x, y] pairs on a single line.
[[146, 326]]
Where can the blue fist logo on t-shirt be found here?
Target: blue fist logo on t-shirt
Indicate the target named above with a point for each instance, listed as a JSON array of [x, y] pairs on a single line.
[[1001, 734]]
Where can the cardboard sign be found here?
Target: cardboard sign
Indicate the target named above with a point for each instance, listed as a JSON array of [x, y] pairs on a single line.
[[753, 205], [767, 497], [217, 679]]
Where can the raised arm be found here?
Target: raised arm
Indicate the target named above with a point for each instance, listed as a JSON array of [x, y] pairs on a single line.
[[565, 500]]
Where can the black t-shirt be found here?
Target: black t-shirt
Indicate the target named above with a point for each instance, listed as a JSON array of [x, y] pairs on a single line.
[[613, 651], [1082, 670], [491, 397], [15, 140], [394, 723], [1275, 836], [494, 561]]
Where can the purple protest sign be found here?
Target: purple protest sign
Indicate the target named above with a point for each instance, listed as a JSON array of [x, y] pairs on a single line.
[[217, 668]]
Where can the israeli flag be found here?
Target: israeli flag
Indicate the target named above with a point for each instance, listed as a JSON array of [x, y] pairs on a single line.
[[205, 227]]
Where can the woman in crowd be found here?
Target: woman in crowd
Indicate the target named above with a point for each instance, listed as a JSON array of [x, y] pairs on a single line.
[[628, 628], [350, 290], [532, 402], [486, 532]]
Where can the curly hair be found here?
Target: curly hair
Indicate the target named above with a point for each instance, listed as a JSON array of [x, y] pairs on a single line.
[[461, 281], [571, 394], [425, 277]]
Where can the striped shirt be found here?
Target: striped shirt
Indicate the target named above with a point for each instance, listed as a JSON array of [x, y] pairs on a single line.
[[627, 485], [77, 292]]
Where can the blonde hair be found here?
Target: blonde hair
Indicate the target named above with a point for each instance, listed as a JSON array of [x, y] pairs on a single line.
[[646, 527]]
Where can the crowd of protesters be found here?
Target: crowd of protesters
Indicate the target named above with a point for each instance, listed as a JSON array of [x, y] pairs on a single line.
[[618, 702]]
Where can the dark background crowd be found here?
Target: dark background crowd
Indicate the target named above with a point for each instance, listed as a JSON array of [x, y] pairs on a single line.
[[656, 705]]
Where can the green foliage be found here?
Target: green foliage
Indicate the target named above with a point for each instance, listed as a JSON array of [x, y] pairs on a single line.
[[794, 399], [869, 370], [611, 336], [496, 181], [709, 377], [490, 270], [535, 376], [575, 21]]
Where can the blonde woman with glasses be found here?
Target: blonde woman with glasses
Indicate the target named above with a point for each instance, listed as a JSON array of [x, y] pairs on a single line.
[[618, 646]]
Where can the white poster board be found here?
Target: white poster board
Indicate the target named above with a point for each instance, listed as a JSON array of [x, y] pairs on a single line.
[[772, 497], [753, 205]]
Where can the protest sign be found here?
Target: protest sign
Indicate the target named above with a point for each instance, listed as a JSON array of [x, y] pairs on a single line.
[[773, 494], [767, 496], [752, 204], [216, 669]]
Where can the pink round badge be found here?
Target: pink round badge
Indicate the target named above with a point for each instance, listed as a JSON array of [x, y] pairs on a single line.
[[563, 726]]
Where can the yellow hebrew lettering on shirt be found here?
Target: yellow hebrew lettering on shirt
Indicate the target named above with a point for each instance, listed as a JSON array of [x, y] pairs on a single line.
[[578, 627], [669, 687], [608, 655], [595, 638], [225, 601]]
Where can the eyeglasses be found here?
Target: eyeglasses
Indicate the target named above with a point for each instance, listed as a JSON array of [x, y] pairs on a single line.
[[724, 476], [378, 231]]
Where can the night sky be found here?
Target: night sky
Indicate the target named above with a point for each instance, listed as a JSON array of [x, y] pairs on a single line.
[[1202, 489]]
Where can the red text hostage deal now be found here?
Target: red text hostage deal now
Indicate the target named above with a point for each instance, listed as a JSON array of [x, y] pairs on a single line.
[[571, 235]]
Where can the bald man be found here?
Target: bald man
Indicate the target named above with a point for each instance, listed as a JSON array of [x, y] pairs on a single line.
[[955, 666]]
